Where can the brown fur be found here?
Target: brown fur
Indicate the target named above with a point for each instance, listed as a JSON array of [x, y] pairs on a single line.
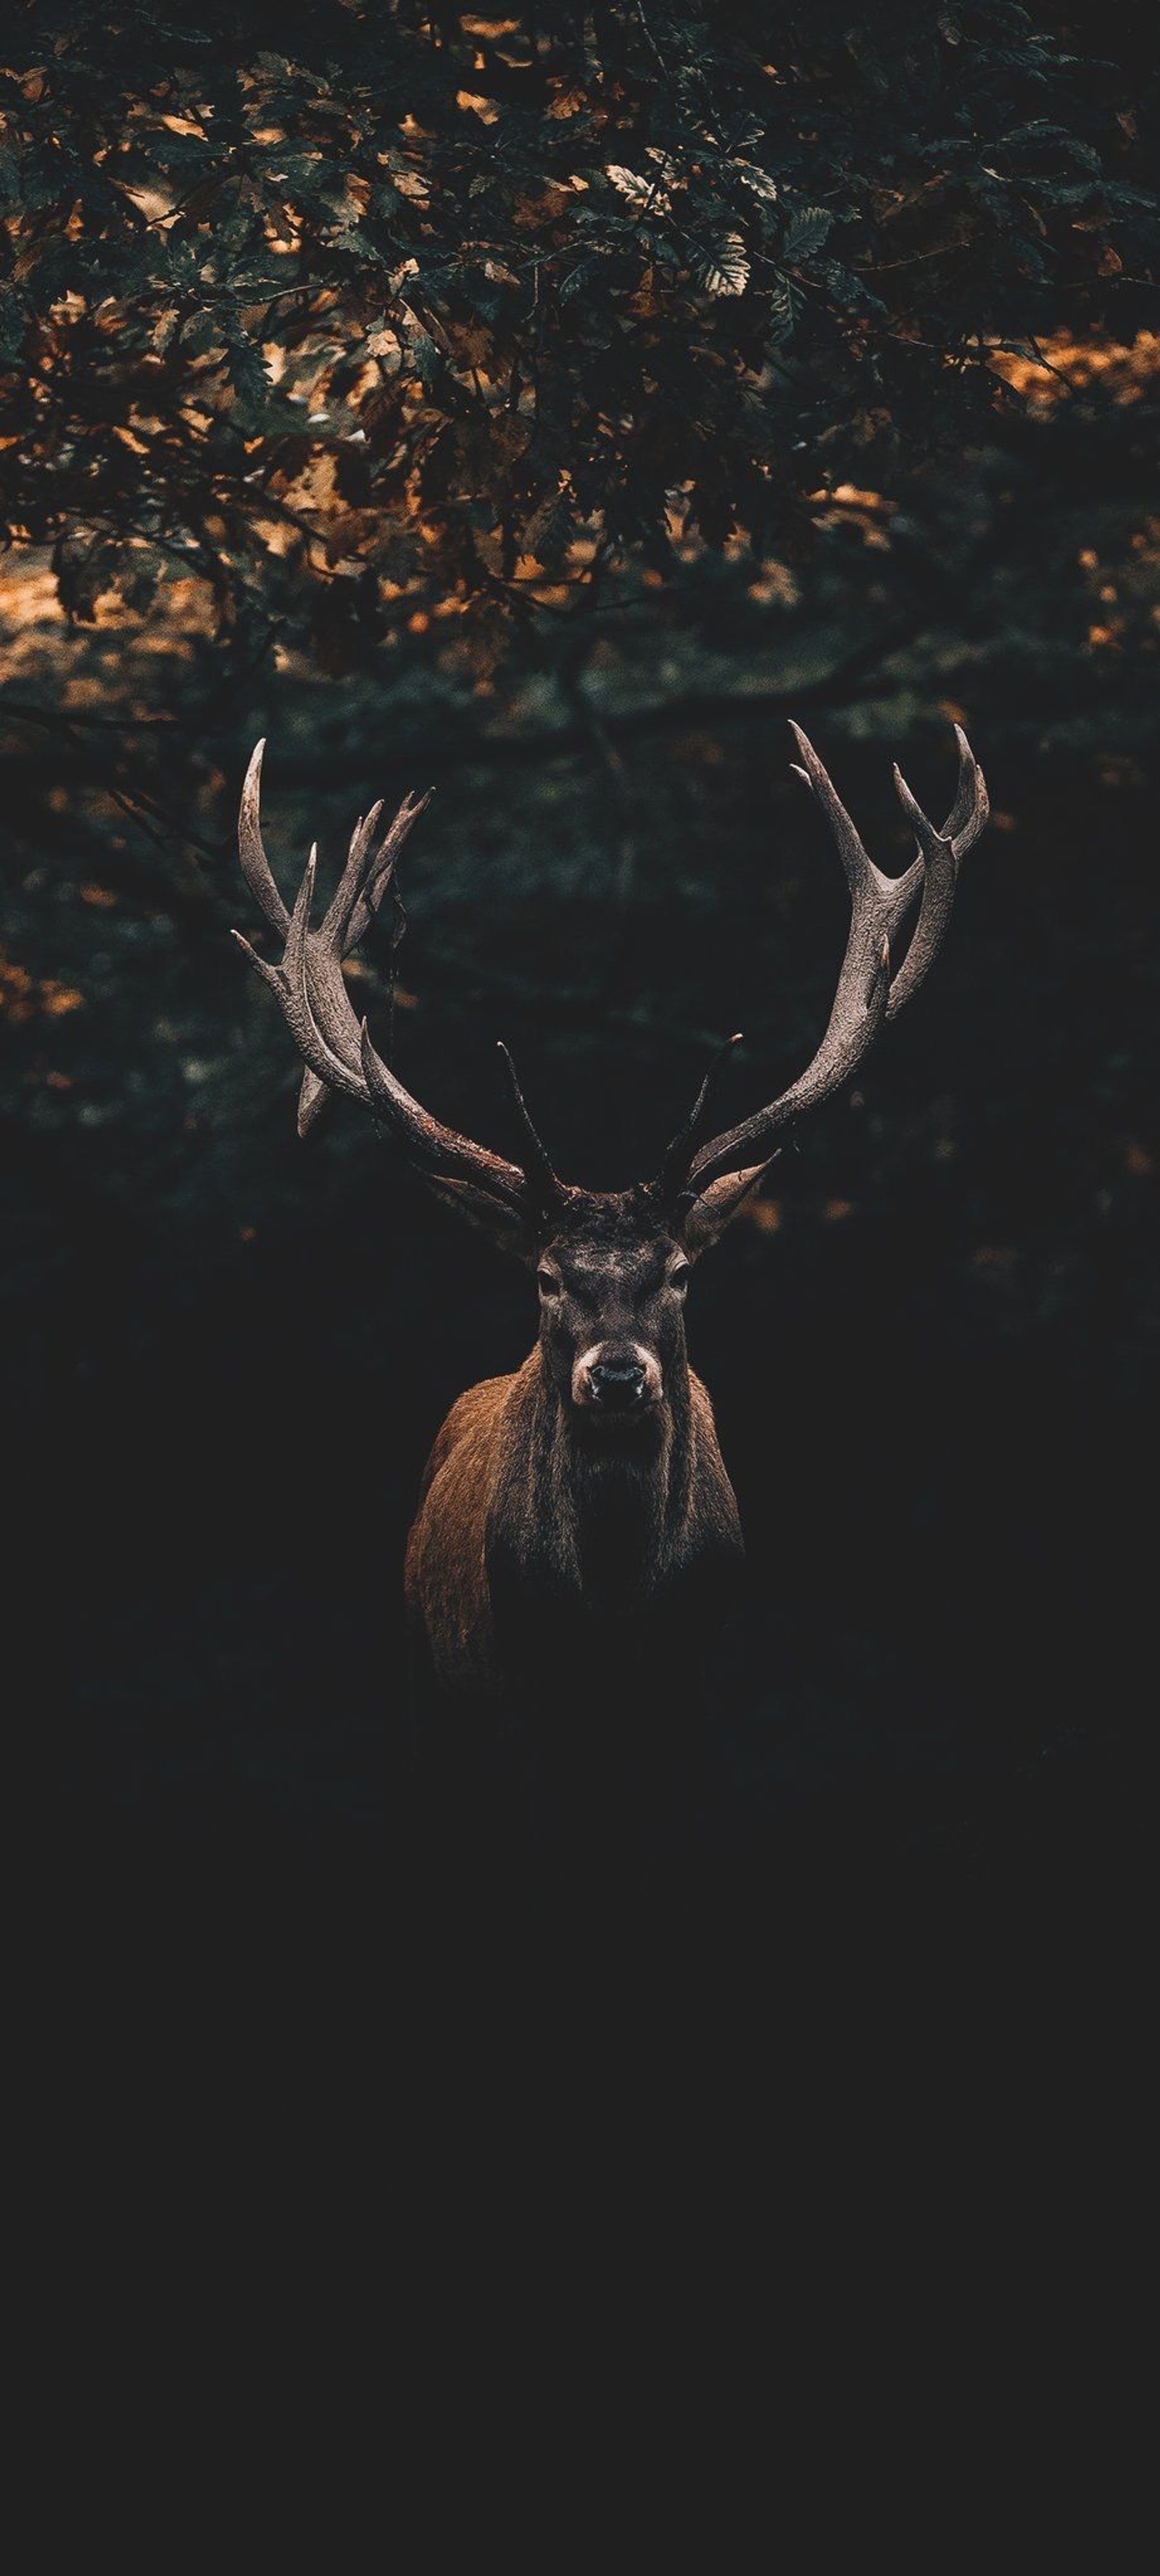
[[524, 1520], [446, 1573]]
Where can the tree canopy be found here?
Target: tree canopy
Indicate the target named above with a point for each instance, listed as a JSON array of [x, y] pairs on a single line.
[[414, 321]]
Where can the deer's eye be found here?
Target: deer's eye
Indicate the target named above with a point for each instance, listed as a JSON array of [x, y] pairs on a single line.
[[679, 1276], [547, 1283]]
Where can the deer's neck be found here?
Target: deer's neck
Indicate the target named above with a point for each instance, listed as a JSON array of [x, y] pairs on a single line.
[[627, 1495], [598, 1512]]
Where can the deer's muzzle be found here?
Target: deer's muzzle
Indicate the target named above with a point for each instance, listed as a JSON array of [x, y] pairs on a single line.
[[610, 1380]]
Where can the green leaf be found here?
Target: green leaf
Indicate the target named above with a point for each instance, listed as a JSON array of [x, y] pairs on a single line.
[[782, 312], [247, 372], [808, 229], [725, 269], [199, 336], [758, 181]]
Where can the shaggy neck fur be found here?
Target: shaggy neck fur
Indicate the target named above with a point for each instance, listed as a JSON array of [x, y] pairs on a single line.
[[607, 1501]]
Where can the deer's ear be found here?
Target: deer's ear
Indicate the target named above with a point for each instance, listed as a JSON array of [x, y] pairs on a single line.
[[512, 1229], [711, 1213]]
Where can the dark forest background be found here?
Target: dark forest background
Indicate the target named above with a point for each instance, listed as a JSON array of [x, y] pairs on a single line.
[[544, 407]]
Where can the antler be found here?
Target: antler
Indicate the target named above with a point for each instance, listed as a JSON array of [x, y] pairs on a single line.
[[867, 992], [365, 880], [311, 993]]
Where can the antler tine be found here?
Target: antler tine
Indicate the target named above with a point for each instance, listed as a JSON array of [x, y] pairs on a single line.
[[868, 887], [287, 981], [346, 893], [381, 868], [313, 1091], [545, 1182], [865, 996], [352, 907], [255, 864], [971, 805], [331, 942], [943, 853], [679, 1154], [365, 878]]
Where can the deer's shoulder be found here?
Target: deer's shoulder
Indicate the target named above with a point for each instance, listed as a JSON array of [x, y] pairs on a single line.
[[715, 1510], [703, 1418], [470, 1424]]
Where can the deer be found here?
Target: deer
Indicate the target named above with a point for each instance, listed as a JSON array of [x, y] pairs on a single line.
[[576, 1521]]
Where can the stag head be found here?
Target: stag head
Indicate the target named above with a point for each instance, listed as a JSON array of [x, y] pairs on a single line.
[[612, 1267]]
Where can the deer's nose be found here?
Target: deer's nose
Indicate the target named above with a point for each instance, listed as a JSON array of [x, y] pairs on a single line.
[[617, 1384]]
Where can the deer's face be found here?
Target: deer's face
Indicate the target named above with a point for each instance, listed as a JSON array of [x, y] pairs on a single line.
[[612, 1295]]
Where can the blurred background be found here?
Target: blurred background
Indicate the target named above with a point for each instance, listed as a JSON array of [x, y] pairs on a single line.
[[543, 408]]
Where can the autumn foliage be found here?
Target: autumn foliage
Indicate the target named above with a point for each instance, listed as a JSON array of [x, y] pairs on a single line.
[[384, 323]]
